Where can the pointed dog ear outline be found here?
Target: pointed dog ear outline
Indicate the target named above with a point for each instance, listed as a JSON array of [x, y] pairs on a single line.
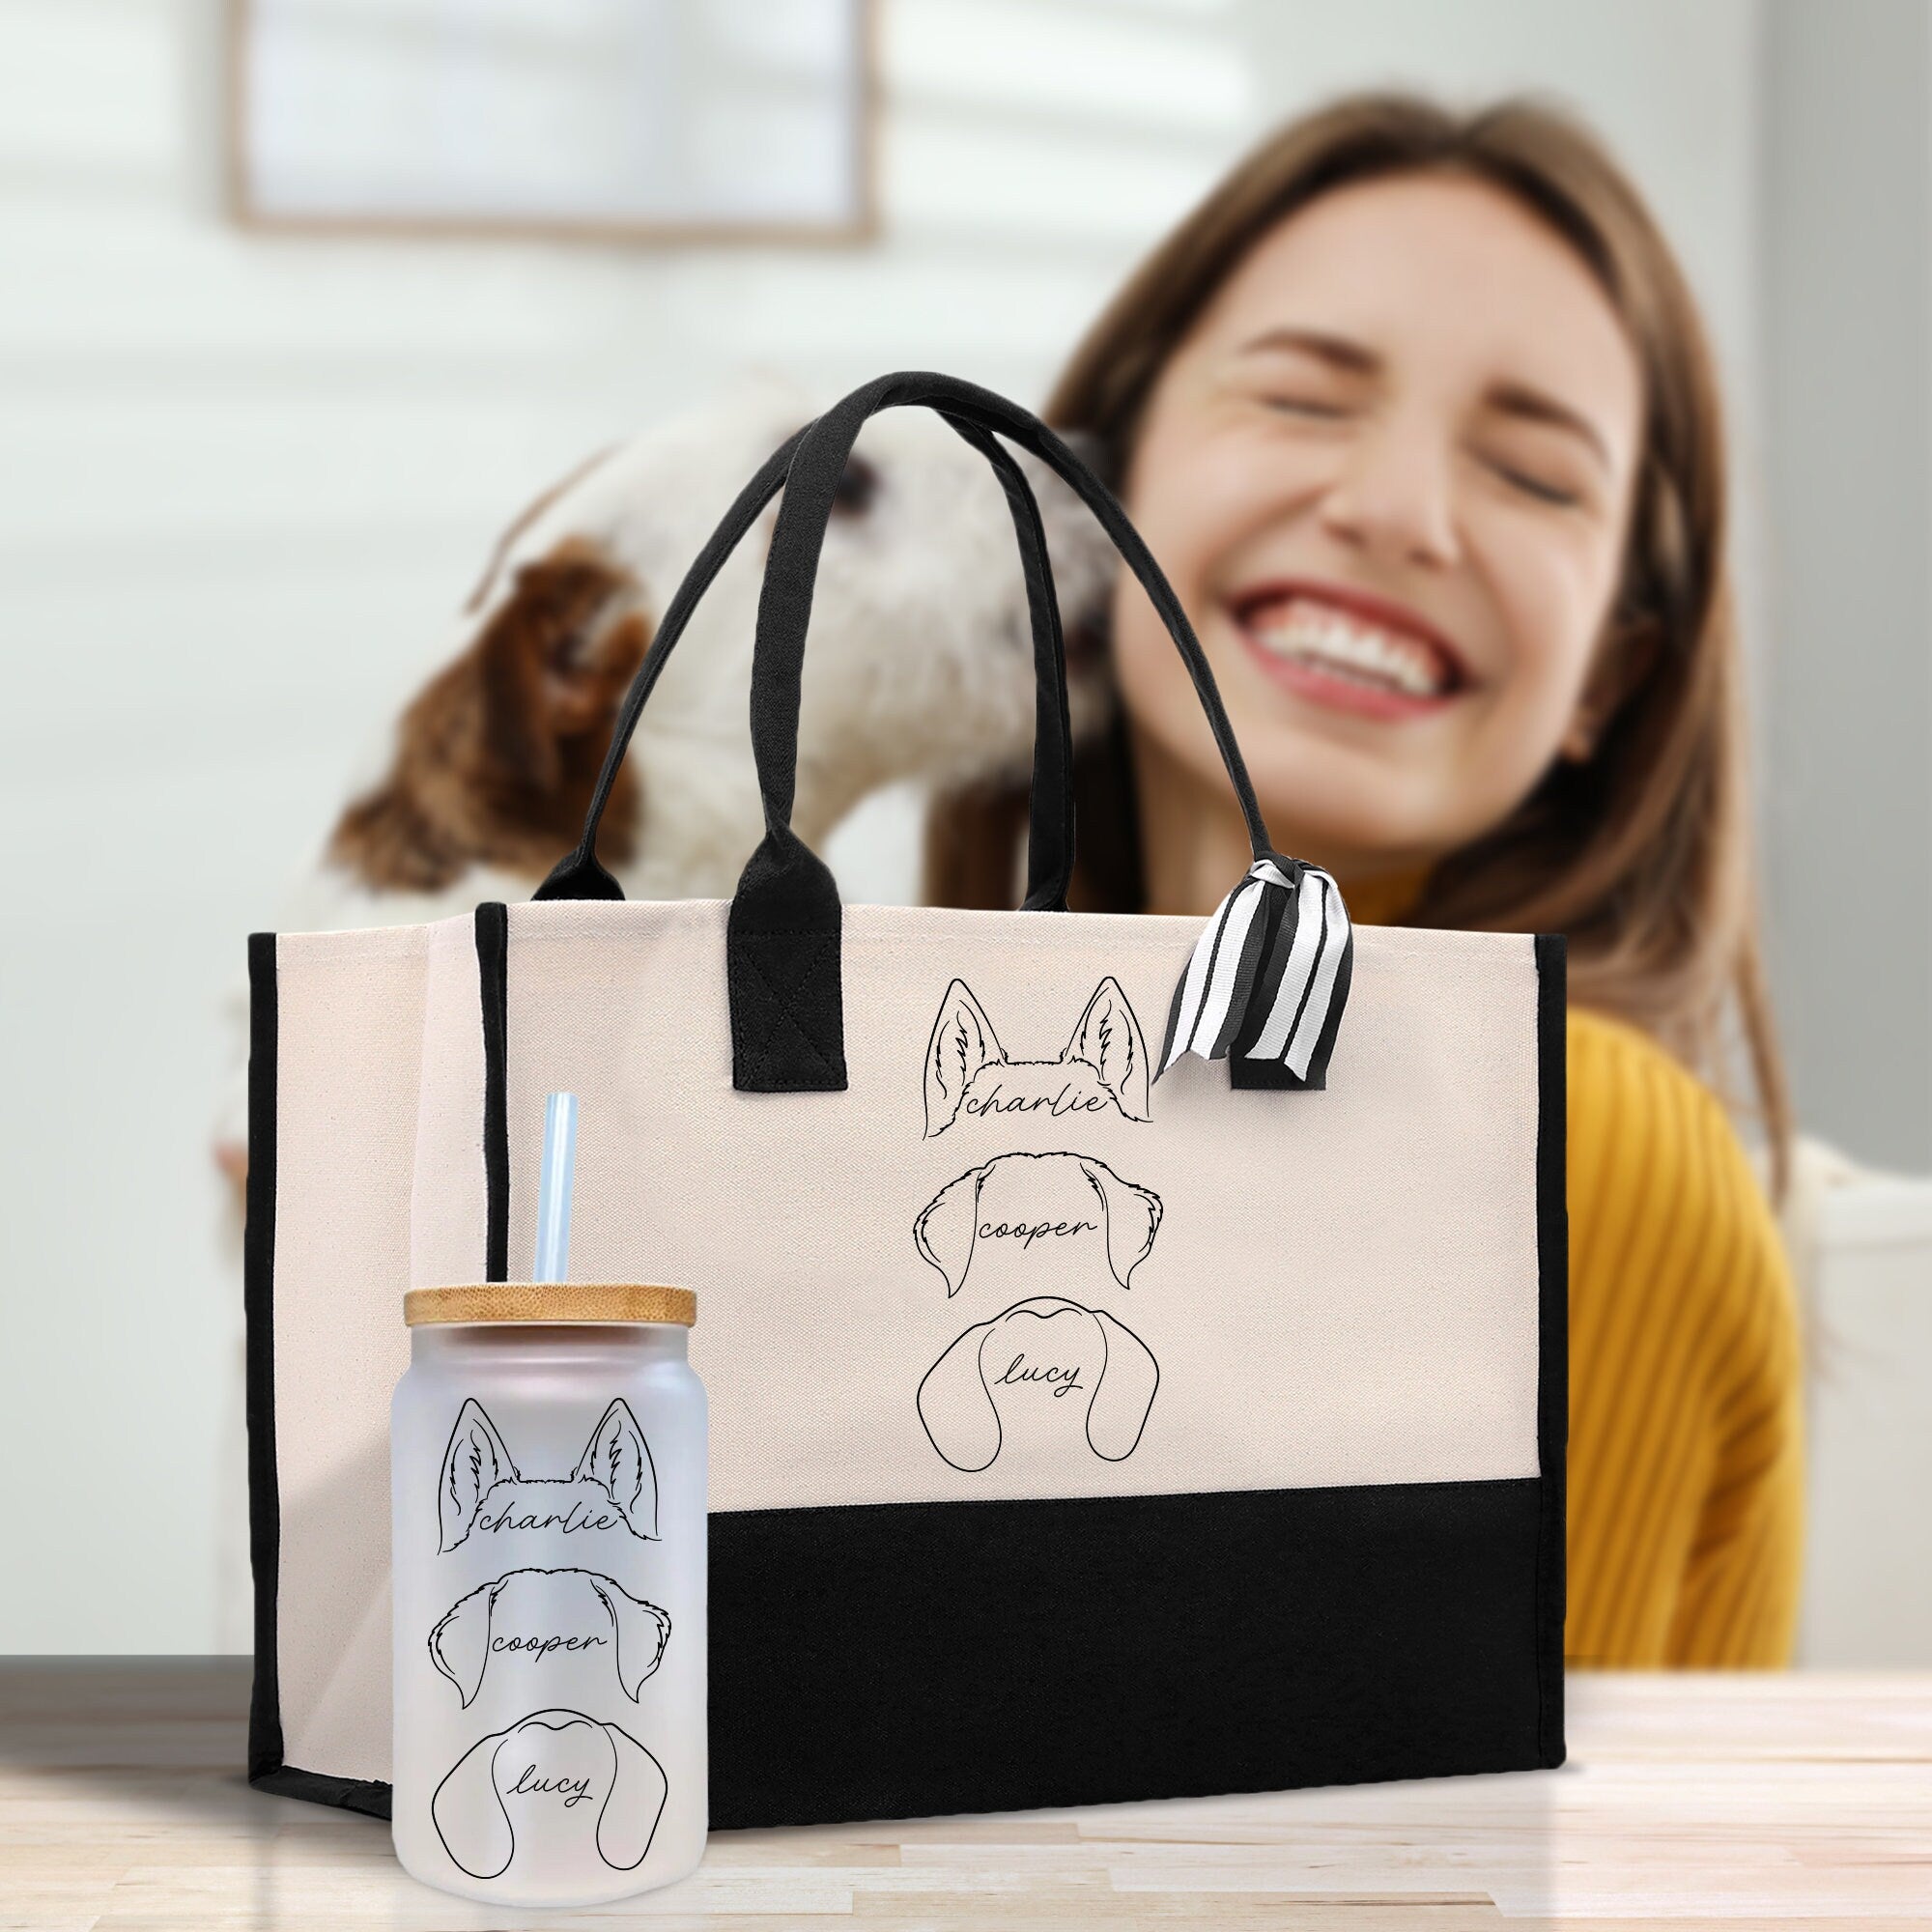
[[469, 1814], [947, 1226], [963, 1043], [1124, 1396], [638, 1631], [459, 1646], [629, 1819], [1108, 1037], [956, 1406], [1132, 1212], [619, 1458], [474, 1463]]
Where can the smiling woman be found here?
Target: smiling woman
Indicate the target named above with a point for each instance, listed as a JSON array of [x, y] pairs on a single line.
[[1416, 412]]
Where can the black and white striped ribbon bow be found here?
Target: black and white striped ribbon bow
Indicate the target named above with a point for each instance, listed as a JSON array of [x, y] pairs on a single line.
[[1268, 976]]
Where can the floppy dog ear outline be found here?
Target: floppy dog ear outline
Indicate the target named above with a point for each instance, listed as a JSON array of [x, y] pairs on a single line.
[[1108, 1037], [1133, 1215], [947, 1226], [459, 1646], [956, 1406], [619, 1458], [475, 1462], [469, 1814], [629, 1819], [638, 1631], [963, 1043], [1124, 1396]]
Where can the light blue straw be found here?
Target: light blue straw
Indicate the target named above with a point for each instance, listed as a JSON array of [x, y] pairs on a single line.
[[560, 1161]]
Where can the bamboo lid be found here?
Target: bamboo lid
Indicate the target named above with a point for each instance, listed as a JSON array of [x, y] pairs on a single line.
[[551, 1301]]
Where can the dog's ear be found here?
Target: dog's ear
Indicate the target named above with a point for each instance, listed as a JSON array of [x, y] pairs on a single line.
[[473, 1466], [459, 1646], [1124, 1394], [962, 1042], [629, 1820], [469, 1814], [1108, 1038], [639, 1631], [618, 1457], [497, 757], [945, 1231], [957, 1406], [1132, 1216]]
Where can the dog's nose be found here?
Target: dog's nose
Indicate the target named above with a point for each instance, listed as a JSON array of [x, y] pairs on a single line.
[[857, 488]]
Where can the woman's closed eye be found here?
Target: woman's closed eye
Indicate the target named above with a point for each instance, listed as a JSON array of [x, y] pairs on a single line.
[[1315, 409], [1526, 482]]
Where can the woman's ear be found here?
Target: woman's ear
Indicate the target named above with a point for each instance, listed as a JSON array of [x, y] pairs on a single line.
[[629, 1820], [1622, 661]]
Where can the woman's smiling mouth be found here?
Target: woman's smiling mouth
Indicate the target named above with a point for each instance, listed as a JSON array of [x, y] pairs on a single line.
[[1349, 650]]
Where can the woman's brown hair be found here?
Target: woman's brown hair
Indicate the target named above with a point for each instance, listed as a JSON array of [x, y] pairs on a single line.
[[1641, 853]]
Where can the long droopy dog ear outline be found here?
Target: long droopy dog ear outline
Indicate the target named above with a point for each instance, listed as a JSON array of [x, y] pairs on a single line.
[[618, 1457], [1107, 1036], [639, 1631], [629, 1820], [962, 1042], [469, 1814], [956, 1406], [948, 1224], [1124, 1396], [475, 1462], [1132, 1212], [459, 1646]]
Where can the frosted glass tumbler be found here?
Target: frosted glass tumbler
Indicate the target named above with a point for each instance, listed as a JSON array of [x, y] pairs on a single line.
[[547, 1486]]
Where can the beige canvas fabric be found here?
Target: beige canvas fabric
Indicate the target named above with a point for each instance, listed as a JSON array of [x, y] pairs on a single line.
[[1246, 1290]]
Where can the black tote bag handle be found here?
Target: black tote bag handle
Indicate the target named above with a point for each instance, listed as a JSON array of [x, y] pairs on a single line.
[[1050, 837], [783, 949]]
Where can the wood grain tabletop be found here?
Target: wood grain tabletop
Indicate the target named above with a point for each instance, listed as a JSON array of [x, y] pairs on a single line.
[[1693, 1802]]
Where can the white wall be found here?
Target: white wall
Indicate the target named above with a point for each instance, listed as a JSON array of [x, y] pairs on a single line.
[[245, 479]]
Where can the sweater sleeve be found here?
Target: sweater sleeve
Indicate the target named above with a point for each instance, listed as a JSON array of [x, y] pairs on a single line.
[[1737, 1602], [1685, 1470]]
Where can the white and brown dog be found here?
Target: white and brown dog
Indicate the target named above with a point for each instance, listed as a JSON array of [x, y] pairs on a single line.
[[920, 666]]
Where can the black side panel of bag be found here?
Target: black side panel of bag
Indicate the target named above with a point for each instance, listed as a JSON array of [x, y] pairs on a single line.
[[267, 1770]]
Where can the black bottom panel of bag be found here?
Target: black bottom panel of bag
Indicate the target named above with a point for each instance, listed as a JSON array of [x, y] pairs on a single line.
[[895, 1661]]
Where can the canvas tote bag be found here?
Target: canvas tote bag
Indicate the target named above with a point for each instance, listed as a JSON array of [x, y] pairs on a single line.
[[1135, 1346]]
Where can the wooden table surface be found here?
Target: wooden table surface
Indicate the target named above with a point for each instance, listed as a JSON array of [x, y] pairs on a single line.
[[1779, 1802]]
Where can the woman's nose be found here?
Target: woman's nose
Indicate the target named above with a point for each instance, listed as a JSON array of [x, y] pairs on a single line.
[[1392, 498]]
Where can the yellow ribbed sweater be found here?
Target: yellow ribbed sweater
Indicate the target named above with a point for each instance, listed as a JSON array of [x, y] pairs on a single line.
[[1686, 1466], [1686, 1472]]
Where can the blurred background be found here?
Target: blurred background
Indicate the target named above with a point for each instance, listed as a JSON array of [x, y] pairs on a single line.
[[258, 444]]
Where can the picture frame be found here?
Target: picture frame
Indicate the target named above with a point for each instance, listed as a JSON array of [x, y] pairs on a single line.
[[644, 121]]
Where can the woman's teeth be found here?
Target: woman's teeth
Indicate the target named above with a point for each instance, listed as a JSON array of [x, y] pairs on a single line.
[[1312, 635]]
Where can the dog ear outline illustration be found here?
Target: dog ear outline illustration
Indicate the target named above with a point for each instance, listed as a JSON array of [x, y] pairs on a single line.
[[474, 1822], [1106, 1040], [1124, 1397], [1107, 1036], [947, 1230], [459, 1646], [961, 1044], [475, 1462], [618, 1457], [1132, 1212], [948, 1225], [961, 1419]]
